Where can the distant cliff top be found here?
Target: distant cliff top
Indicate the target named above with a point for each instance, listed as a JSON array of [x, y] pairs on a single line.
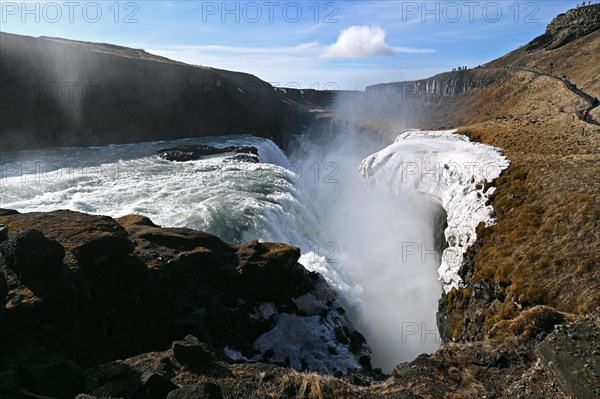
[[567, 27], [112, 49], [564, 29]]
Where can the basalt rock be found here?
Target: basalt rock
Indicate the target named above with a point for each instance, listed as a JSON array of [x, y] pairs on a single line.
[[154, 386], [94, 289], [31, 255], [205, 390], [53, 376], [571, 354], [3, 233], [242, 158], [3, 291], [191, 352], [270, 272], [567, 27], [195, 152]]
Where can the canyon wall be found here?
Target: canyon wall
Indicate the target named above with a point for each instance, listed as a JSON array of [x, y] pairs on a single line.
[[57, 92]]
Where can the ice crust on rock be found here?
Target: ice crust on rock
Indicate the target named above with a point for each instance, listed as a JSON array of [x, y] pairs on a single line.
[[453, 170]]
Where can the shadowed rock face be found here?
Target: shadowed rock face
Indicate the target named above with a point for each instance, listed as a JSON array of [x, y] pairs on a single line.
[[65, 93], [78, 290]]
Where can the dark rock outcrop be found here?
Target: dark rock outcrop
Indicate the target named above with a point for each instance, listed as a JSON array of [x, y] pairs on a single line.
[[53, 376], [192, 353], [571, 354], [194, 152], [90, 289], [154, 386], [197, 391], [31, 255], [504, 365], [3, 291]]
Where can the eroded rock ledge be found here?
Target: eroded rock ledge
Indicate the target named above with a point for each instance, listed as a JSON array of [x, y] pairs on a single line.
[[194, 152], [80, 290]]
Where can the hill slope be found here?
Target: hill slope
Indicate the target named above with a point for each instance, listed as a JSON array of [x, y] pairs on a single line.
[[58, 92]]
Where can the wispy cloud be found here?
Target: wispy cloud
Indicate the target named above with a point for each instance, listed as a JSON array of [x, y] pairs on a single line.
[[412, 50]]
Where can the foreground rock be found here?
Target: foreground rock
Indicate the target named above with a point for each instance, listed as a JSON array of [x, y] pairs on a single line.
[[571, 354], [195, 152], [82, 290], [505, 365]]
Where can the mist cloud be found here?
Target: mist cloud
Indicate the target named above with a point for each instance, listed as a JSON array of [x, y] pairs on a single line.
[[394, 292]]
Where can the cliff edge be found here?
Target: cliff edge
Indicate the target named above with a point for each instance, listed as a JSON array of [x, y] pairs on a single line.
[[58, 92]]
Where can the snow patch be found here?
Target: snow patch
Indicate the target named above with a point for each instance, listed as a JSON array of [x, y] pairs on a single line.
[[264, 311], [309, 343], [234, 355], [318, 337], [453, 170]]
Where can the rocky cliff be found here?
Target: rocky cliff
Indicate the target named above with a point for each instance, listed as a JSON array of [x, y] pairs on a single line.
[[568, 27], [443, 87], [537, 266], [95, 307], [58, 92]]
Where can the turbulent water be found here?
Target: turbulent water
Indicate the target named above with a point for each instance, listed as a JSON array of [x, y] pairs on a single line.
[[376, 249]]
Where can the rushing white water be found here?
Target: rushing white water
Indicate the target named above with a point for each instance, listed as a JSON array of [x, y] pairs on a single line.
[[385, 248], [374, 248], [235, 200]]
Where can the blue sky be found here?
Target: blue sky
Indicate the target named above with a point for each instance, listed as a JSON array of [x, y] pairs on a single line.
[[331, 44]]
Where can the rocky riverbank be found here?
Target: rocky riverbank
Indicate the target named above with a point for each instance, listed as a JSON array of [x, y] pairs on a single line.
[[81, 290]]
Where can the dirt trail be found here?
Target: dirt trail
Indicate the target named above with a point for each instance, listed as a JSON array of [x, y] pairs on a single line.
[[591, 100]]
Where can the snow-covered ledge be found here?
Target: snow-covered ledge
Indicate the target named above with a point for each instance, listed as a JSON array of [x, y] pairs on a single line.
[[450, 168]]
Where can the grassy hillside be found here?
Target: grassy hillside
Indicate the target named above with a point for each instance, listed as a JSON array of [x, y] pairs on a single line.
[[545, 248]]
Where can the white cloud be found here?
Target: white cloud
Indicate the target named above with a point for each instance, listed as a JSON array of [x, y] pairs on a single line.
[[358, 42]]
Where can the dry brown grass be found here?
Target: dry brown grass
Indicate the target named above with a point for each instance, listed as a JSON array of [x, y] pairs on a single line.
[[529, 323], [546, 244], [311, 386], [272, 382]]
